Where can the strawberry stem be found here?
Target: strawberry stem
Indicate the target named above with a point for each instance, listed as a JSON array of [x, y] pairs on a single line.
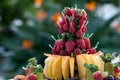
[[50, 46], [53, 37], [58, 36], [23, 68], [75, 6], [89, 36], [86, 23], [96, 45]]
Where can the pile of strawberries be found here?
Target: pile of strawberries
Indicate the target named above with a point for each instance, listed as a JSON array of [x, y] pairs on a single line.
[[72, 26]]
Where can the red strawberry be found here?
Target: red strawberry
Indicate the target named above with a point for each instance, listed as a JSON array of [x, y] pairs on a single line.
[[65, 27], [68, 11], [117, 70], [75, 14], [70, 45], [82, 22], [87, 43], [63, 53], [79, 34], [26, 71], [81, 43], [57, 45], [32, 77], [83, 19], [61, 30], [72, 28], [62, 43], [77, 51], [84, 29], [91, 51], [54, 51], [61, 21], [97, 75]]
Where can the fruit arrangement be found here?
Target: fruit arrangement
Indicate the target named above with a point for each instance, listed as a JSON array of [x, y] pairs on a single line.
[[33, 71], [73, 57]]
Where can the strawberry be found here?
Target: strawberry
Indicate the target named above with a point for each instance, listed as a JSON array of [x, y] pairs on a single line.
[[87, 43], [81, 23], [65, 27], [32, 77], [77, 51], [83, 19], [75, 14], [81, 43], [68, 11], [61, 30], [26, 71], [84, 29], [63, 53], [62, 43], [59, 44], [72, 28], [117, 70], [79, 34], [61, 21], [97, 75], [70, 45], [91, 51], [54, 51]]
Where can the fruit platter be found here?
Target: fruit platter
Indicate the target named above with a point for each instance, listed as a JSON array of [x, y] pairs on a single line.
[[73, 57]]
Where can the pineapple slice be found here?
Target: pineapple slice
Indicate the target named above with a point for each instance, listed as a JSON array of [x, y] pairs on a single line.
[[81, 69], [101, 64], [72, 64], [56, 68], [45, 71], [93, 60], [50, 66], [87, 59], [97, 61], [65, 67]]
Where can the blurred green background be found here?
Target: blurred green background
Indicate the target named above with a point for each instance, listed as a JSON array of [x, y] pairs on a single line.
[[26, 27]]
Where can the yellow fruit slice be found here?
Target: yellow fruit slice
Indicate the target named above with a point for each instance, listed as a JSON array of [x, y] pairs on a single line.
[[98, 63], [56, 68], [101, 63], [65, 67], [50, 67], [45, 71], [72, 64], [87, 58], [81, 69]]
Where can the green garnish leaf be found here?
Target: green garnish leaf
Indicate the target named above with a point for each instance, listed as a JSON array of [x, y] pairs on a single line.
[[32, 61], [107, 57], [91, 68], [38, 69], [64, 10]]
